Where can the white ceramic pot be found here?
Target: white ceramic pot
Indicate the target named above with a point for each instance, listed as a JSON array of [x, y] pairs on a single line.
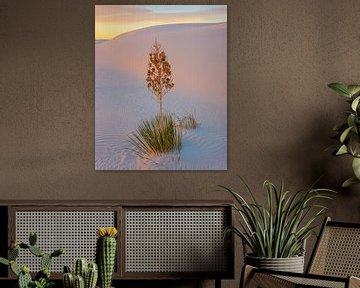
[[291, 264]]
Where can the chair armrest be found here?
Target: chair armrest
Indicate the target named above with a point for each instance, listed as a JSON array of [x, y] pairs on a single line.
[[246, 273], [255, 277], [354, 282], [252, 277]]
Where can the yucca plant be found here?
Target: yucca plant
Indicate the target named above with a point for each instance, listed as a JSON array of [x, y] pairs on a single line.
[[156, 136], [159, 78], [348, 132], [279, 229]]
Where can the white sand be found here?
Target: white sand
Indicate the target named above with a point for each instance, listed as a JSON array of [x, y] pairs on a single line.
[[198, 56]]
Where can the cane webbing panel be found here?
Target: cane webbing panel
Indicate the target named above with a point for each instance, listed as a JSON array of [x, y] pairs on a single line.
[[313, 282], [338, 252], [74, 231], [175, 241], [267, 280]]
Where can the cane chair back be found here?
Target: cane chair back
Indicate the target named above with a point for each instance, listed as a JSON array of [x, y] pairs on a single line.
[[335, 262], [337, 252]]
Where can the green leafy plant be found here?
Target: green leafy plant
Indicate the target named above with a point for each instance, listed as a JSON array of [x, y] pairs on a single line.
[[156, 136], [279, 229], [42, 278], [43, 283], [348, 132]]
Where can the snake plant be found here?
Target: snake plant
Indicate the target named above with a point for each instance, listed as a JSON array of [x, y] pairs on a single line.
[[279, 228]]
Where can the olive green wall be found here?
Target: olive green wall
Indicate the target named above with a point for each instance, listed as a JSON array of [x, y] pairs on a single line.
[[282, 54]]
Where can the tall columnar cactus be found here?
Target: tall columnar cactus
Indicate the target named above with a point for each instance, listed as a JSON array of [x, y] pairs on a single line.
[[85, 275], [106, 254], [23, 272]]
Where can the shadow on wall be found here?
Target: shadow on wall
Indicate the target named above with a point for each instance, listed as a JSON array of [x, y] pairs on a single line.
[[309, 154], [310, 159], [335, 169]]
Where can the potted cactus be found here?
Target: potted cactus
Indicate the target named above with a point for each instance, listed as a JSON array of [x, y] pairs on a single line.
[[85, 275], [42, 278], [106, 254]]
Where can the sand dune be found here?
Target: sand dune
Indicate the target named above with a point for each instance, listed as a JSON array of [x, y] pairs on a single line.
[[197, 53]]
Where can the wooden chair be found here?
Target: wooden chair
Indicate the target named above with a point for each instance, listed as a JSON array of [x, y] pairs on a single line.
[[334, 263]]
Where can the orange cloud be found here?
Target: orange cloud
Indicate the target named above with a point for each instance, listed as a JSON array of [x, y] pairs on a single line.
[[113, 20]]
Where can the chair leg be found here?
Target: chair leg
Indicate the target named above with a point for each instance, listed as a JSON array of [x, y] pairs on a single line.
[[217, 283]]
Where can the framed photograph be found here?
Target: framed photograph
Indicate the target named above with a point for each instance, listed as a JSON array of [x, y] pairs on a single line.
[[160, 87]]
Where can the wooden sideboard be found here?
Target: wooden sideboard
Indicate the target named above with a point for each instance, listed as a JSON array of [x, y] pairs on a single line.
[[157, 240]]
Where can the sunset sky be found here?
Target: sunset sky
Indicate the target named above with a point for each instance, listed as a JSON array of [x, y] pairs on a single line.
[[113, 20]]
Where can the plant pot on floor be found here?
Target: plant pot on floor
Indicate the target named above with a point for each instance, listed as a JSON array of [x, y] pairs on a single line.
[[290, 264], [275, 233]]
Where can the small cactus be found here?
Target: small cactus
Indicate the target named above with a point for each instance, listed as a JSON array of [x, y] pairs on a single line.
[[68, 280], [79, 282], [106, 254], [57, 252], [32, 238], [45, 261], [24, 278], [84, 274], [14, 268], [13, 253], [91, 276], [80, 268], [25, 269], [36, 251], [67, 269]]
